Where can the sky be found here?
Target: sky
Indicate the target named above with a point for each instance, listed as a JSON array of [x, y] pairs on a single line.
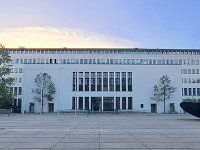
[[100, 23]]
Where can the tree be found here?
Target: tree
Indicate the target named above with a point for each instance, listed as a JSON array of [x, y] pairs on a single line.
[[163, 91], [43, 81], [5, 96]]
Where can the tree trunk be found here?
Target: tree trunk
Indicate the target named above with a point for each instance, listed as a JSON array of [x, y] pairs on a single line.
[[164, 106]]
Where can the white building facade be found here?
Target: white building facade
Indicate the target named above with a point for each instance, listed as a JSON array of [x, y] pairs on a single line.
[[105, 79]]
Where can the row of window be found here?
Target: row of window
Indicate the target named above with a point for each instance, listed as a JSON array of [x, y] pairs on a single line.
[[107, 61], [190, 80], [16, 70], [102, 81], [20, 80], [191, 91], [96, 103], [189, 71], [186, 52], [16, 90]]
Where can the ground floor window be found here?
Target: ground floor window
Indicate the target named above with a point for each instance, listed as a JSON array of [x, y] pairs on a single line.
[[129, 102], [123, 102]]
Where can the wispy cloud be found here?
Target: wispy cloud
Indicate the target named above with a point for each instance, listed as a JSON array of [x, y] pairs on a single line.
[[34, 37]]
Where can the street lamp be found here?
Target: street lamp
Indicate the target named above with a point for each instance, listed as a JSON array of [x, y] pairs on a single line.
[[75, 91], [41, 90], [59, 92]]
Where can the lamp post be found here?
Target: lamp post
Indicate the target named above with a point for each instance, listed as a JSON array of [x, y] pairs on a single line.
[[41, 90], [75, 91], [59, 93]]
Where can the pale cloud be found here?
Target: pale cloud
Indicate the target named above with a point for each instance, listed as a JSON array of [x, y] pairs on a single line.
[[34, 37]]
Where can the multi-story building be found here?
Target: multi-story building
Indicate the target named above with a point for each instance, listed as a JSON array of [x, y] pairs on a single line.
[[106, 79]]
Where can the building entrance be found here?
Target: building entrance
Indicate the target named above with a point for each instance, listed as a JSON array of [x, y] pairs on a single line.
[[153, 108], [96, 104]]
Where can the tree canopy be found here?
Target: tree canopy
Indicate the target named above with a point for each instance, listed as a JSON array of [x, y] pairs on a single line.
[[5, 96]]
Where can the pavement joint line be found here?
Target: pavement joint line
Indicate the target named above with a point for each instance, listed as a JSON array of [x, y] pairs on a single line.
[[106, 130]]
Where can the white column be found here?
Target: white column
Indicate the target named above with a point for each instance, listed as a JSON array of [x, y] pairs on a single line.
[[102, 83], [89, 81], [120, 80], [126, 102], [77, 102], [83, 103], [108, 82], [95, 81], [89, 102], [114, 82], [120, 103], [114, 102], [126, 81], [102, 103], [83, 81]]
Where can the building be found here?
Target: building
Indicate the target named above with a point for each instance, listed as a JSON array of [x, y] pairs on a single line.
[[106, 79]]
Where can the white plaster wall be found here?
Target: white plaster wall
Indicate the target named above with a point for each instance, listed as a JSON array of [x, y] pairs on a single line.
[[144, 78]]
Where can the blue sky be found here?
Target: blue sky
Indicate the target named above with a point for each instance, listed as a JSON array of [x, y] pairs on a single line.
[[100, 23]]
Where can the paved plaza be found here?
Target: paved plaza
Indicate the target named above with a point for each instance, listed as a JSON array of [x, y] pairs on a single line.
[[99, 131]]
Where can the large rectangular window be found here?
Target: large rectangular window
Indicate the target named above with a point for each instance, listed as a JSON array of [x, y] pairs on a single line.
[[190, 91], [117, 81], [80, 104], [86, 103], [111, 81], [129, 81], [80, 81], [99, 80], [123, 102], [92, 81], [185, 91], [117, 103], [87, 81], [198, 91], [123, 81], [74, 81], [194, 91], [105, 81], [129, 102]]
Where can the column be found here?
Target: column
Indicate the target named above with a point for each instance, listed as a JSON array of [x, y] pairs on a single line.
[[77, 103], [120, 103], [108, 81], [89, 81], [89, 102], [83, 103], [126, 81], [114, 102], [120, 81], [77, 81], [83, 81], [102, 103], [126, 102], [102, 83], [114, 83]]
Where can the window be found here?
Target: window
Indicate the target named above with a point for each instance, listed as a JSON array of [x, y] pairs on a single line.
[[133, 61], [107, 61], [111, 61], [20, 79], [86, 81], [197, 62], [159, 61], [116, 61], [38, 61], [185, 80], [167, 61], [120, 61], [189, 80], [64, 61], [80, 81], [188, 62], [20, 70], [189, 91], [197, 71], [25, 61], [184, 71], [150, 61], [77, 61], [16, 70], [30, 61], [129, 81], [129, 102], [98, 61], [111, 81], [192, 62], [85, 61], [16, 80], [198, 91], [90, 61], [99, 80], [193, 80], [180, 61], [105, 81], [198, 80], [189, 71], [16, 61], [194, 91], [102, 61], [171, 61], [142, 105], [163, 61], [124, 62], [93, 76], [81, 61], [176, 61], [128, 61], [117, 81], [21, 61], [193, 71], [123, 81], [184, 61], [123, 102], [94, 61], [20, 91], [185, 91], [74, 81]]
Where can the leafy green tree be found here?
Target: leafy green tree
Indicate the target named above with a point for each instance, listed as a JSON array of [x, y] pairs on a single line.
[[5, 96], [163, 91], [43, 81]]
